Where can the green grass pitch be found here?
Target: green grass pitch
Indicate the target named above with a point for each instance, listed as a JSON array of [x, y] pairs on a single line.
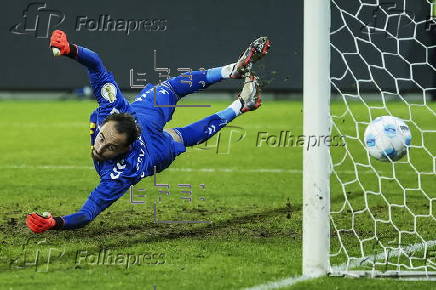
[[251, 195]]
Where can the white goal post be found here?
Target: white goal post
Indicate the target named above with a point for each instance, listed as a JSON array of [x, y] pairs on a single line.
[[363, 217], [316, 122]]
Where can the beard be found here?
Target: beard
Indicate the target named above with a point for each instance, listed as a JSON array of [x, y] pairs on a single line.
[[95, 156]]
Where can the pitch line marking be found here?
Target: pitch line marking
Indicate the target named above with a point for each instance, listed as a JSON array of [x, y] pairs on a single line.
[[181, 169], [343, 267], [282, 283]]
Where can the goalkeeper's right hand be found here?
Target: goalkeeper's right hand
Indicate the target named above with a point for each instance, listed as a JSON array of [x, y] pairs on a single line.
[[38, 223], [59, 40]]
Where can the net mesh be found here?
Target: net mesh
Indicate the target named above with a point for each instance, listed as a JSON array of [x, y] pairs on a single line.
[[383, 214]]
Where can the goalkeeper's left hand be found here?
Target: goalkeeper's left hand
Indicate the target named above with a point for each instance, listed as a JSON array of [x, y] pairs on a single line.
[[59, 40], [38, 223]]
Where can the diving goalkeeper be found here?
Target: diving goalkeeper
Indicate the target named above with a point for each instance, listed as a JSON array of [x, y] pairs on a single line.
[[128, 140]]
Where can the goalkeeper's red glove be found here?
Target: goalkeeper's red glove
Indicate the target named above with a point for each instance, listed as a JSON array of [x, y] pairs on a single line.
[[59, 40], [38, 223]]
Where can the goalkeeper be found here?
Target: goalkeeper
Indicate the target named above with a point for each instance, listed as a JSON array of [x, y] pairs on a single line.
[[128, 141]]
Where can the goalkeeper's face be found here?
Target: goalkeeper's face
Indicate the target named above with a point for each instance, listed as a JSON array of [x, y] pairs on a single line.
[[109, 143]]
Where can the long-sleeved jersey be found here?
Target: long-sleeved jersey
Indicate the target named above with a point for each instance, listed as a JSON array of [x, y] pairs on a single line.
[[153, 150]]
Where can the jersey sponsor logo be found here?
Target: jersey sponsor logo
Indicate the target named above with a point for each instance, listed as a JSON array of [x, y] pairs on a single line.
[[141, 142], [139, 159], [109, 92]]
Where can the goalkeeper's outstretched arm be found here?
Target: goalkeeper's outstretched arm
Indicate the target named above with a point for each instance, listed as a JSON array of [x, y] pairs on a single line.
[[40, 223], [83, 55], [105, 88], [106, 193]]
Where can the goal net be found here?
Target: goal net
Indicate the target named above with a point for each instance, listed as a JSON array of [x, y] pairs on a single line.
[[383, 63]]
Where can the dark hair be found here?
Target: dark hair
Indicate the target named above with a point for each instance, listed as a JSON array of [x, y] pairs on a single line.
[[125, 124]]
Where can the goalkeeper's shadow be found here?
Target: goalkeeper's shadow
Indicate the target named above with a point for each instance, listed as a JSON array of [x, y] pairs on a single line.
[[155, 232]]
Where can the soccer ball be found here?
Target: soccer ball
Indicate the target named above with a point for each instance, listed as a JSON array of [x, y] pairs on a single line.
[[387, 138]]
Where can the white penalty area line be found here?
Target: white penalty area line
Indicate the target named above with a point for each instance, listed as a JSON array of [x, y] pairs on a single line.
[[45, 167], [346, 266], [182, 169], [282, 283]]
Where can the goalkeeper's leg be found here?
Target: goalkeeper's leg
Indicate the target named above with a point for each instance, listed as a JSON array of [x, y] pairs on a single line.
[[189, 83], [156, 104], [196, 133]]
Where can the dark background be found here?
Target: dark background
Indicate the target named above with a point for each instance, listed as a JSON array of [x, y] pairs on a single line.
[[198, 34], [212, 33]]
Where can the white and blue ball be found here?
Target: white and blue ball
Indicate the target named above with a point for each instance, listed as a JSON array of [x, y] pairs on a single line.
[[387, 138]]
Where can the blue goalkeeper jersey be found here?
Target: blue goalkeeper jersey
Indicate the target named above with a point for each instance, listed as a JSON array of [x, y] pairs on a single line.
[[153, 151]]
